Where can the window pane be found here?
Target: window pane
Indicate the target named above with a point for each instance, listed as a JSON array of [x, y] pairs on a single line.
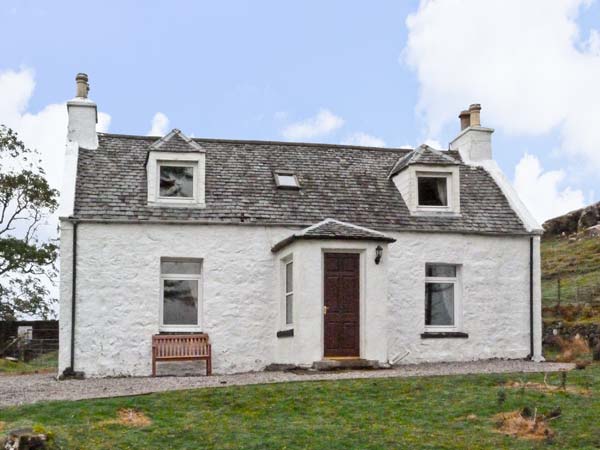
[[176, 181], [289, 277], [289, 309], [433, 191], [180, 267], [439, 304], [440, 270], [180, 302], [287, 180]]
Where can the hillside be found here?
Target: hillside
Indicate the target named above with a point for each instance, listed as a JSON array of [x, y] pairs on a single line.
[[573, 263]]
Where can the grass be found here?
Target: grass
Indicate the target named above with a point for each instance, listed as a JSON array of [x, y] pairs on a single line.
[[574, 263], [453, 412], [45, 363]]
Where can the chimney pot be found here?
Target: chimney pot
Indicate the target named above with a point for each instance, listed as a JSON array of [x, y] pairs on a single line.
[[465, 119], [83, 116], [83, 86], [475, 115]]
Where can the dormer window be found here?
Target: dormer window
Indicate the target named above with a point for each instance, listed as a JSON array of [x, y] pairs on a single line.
[[176, 180], [432, 190], [286, 180], [176, 172]]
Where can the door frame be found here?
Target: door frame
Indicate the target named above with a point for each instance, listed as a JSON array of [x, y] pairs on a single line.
[[361, 295]]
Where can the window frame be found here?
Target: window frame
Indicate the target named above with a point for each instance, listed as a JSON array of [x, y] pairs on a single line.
[[284, 325], [449, 191], [285, 173], [173, 276], [168, 163], [456, 282]]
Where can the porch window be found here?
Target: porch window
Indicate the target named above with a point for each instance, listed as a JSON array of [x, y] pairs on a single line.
[[181, 294], [441, 297], [289, 293]]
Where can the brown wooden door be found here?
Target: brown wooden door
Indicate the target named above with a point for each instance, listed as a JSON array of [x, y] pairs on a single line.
[[342, 304]]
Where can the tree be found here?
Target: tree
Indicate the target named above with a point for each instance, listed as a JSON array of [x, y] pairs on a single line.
[[27, 262]]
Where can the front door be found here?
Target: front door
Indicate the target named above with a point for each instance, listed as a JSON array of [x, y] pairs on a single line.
[[342, 304]]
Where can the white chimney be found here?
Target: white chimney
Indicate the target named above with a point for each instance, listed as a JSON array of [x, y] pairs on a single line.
[[83, 116], [474, 142]]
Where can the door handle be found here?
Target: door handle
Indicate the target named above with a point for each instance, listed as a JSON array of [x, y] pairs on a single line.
[[325, 308]]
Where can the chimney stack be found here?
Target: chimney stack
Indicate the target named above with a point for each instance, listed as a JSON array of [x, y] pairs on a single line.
[[475, 115], [83, 116], [474, 142], [465, 119]]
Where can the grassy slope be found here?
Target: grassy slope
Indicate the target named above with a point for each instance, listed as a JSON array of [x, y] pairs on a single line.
[[417, 413], [573, 262]]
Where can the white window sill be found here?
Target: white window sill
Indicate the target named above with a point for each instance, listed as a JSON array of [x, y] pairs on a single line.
[[435, 212], [171, 204], [180, 329]]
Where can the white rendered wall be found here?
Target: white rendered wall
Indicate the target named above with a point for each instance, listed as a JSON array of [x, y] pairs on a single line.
[[118, 290], [118, 270], [495, 297]]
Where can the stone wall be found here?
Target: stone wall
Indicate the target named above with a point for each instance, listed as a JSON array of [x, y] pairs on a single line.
[[588, 331]]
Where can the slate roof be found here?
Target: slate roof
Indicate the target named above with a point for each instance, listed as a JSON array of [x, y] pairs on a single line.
[[346, 182], [334, 229], [423, 155]]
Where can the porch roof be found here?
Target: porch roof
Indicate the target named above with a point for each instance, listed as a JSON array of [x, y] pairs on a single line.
[[334, 229]]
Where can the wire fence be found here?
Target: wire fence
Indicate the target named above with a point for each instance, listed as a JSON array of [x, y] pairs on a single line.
[[571, 291]]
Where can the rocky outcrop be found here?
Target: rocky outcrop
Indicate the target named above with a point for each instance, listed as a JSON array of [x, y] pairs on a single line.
[[575, 221]]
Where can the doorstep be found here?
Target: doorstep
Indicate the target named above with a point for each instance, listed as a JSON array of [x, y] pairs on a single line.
[[348, 364]]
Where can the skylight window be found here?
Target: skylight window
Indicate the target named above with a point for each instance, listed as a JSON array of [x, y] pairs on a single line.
[[286, 180]]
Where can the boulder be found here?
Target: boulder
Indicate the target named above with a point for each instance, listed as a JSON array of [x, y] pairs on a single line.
[[589, 217]]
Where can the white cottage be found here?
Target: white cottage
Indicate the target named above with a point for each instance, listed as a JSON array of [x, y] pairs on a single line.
[[291, 253]]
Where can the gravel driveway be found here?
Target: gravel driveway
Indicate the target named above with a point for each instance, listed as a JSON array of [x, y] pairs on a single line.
[[17, 390]]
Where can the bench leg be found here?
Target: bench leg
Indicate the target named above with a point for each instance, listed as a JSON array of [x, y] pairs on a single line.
[[208, 366], [153, 364]]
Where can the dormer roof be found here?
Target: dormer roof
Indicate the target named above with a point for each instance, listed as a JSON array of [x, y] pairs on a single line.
[[176, 141], [423, 154]]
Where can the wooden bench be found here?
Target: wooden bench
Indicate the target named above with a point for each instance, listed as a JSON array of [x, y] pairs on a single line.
[[181, 347]]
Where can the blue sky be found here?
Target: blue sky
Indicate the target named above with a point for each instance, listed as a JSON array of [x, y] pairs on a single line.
[[256, 70]]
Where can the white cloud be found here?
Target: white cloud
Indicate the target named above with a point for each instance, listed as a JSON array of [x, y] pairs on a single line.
[[45, 130], [363, 139], [526, 62], [540, 191], [323, 123], [160, 125]]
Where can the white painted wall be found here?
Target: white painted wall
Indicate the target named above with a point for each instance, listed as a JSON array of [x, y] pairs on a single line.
[[495, 293], [118, 291]]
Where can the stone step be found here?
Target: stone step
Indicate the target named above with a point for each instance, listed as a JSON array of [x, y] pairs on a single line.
[[348, 364]]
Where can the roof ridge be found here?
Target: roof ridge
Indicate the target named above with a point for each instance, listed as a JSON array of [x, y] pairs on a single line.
[[265, 142]]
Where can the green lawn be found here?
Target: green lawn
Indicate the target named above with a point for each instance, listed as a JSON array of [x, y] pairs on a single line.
[[44, 363], [427, 413]]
